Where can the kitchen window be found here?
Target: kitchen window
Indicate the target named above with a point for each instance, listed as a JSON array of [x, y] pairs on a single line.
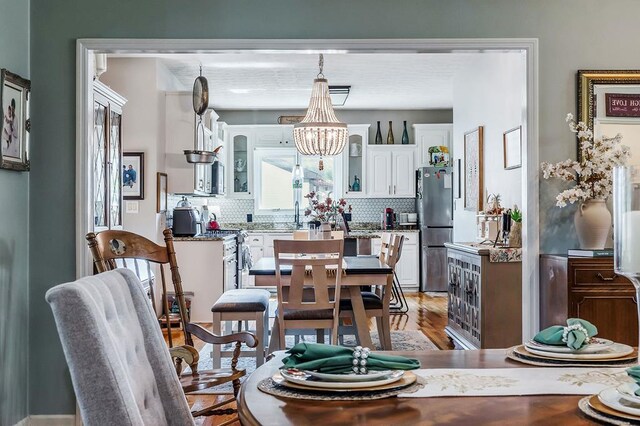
[[273, 168]]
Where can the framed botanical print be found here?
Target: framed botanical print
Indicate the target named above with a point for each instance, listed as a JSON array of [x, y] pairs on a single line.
[[512, 148], [473, 171], [133, 175], [15, 126], [161, 192]]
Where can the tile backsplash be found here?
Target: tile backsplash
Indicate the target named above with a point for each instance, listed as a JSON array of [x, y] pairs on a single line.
[[236, 210]]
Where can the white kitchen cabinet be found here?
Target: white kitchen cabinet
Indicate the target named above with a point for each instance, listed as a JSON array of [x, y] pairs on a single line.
[[354, 161], [240, 161], [261, 245], [427, 135], [391, 171], [202, 272], [407, 268], [274, 136]]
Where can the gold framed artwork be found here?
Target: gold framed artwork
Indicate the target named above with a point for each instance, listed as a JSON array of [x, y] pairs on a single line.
[[161, 192], [512, 148], [473, 169]]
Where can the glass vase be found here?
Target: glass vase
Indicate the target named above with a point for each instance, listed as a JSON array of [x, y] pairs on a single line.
[[626, 225]]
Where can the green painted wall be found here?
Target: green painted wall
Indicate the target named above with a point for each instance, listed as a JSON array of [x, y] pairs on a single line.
[[573, 34], [14, 237]]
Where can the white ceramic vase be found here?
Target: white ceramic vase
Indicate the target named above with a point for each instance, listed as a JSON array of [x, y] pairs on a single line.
[[593, 223]]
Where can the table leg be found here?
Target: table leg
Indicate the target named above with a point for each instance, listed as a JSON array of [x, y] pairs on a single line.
[[360, 316]]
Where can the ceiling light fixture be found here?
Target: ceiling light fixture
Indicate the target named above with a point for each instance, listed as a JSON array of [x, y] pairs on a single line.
[[339, 94], [320, 132]]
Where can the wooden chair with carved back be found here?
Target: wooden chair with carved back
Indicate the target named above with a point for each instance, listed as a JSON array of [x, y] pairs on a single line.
[[108, 246], [316, 271]]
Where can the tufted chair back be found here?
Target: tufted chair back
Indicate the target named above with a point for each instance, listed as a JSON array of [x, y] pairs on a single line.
[[120, 366]]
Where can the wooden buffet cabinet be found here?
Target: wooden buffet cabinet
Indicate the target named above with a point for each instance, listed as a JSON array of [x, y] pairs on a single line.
[[587, 288], [484, 299]]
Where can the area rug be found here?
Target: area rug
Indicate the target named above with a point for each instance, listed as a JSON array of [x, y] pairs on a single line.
[[408, 340]]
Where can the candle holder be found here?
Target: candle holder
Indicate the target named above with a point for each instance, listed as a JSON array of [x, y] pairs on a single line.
[[626, 225]]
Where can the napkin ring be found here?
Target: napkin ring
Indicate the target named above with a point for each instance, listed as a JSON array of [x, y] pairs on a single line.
[[360, 356], [577, 327]]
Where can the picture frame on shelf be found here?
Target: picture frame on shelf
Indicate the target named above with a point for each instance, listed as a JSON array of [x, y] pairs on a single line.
[[15, 124], [162, 184], [133, 175], [512, 148], [473, 169]]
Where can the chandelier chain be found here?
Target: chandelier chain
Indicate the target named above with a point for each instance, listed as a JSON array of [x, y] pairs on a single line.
[[321, 66]]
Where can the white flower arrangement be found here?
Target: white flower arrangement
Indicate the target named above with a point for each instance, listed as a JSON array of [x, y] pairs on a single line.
[[593, 173]]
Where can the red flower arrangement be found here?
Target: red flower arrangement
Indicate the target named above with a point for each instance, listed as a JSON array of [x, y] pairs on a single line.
[[324, 211]]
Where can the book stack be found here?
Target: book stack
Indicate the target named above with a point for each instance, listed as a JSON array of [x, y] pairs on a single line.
[[590, 253]]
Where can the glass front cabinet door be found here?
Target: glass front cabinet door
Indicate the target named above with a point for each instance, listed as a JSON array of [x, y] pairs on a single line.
[[106, 158], [240, 164], [354, 160]]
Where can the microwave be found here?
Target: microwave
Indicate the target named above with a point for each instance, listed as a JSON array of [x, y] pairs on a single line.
[[217, 178], [209, 179]]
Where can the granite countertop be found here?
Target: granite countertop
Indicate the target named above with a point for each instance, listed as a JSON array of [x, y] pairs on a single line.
[[498, 254], [204, 238]]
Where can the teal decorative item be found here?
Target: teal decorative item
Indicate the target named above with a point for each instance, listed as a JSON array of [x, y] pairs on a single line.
[[405, 135], [576, 334], [356, 184]]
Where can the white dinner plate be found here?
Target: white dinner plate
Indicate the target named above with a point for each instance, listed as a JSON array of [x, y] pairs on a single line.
[[629, 391], [615, 400], [303, 379], [597, 345], [373, 376], [617, 350]]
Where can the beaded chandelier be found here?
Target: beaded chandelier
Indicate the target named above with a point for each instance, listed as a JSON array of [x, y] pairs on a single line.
[[320, 132]]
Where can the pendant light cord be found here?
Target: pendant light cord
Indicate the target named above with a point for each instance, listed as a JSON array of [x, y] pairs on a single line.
[[321, 66]]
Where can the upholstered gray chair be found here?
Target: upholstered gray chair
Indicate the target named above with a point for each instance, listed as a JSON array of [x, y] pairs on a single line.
[[119, 363]]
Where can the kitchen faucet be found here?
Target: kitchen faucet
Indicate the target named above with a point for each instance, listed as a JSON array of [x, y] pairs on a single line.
[[296, 215]]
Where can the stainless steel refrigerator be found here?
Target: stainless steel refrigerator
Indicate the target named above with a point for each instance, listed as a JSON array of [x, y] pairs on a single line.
[[434, 205]]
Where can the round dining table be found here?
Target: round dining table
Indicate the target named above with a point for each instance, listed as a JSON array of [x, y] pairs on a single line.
[[258, 408]]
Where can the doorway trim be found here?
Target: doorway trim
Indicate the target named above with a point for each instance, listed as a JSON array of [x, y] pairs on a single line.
[[530, 186]]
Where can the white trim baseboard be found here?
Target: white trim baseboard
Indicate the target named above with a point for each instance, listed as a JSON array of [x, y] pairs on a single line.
[[51, 420], [23, 422]]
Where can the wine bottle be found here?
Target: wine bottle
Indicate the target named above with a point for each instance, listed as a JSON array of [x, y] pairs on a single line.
[[378, 135], [405, 135], [390, 140]]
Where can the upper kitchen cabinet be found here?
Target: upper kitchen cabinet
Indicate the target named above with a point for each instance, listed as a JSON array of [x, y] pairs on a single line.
[[427, 135], [391, 171], [240, 159], [106, 156], [274, 136], [354, 160]]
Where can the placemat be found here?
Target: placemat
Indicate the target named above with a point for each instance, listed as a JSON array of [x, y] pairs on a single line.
[[516, 381], [272, 388], [534, 360], [589, 412]]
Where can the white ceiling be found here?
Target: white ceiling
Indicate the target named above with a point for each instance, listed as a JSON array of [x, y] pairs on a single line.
[[283, 80]]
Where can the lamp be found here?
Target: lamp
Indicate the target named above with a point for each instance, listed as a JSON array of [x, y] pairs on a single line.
[[320, 132], [339, 94]]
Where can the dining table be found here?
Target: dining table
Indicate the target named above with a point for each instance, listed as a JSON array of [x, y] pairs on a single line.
[[258, 408], [357, 271]]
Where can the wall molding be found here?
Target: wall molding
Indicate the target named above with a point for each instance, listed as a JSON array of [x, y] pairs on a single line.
[[50, 420], [530, 186]]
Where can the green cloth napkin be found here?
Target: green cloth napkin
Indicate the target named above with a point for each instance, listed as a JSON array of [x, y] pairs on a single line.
[[339, 359], [575, 338], [634, 373]]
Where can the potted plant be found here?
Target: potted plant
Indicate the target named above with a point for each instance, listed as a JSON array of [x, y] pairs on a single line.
[[593, 181], [325, 211], [515, 234]]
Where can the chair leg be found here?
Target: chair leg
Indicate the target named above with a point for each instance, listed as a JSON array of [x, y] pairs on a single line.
[[265, 335], [320, 335], [384, 332], [260, 336], [282, 344], [274, 342], [216, 354]]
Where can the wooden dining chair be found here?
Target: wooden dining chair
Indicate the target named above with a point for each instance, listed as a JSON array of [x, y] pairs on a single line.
[[377, 301], [309, 297], [108, 246]]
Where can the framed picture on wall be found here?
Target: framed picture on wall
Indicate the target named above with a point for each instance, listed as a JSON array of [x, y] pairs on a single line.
[[161, 192], [473, 171], [512, 146], [133, 175], [15, 126]]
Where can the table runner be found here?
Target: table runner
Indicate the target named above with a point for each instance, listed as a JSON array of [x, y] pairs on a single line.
[[516, 381]]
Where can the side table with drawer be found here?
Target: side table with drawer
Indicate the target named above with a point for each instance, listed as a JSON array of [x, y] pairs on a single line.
[[588, 288]]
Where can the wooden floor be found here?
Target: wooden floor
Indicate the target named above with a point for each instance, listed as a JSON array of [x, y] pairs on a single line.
[[427, 313]]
